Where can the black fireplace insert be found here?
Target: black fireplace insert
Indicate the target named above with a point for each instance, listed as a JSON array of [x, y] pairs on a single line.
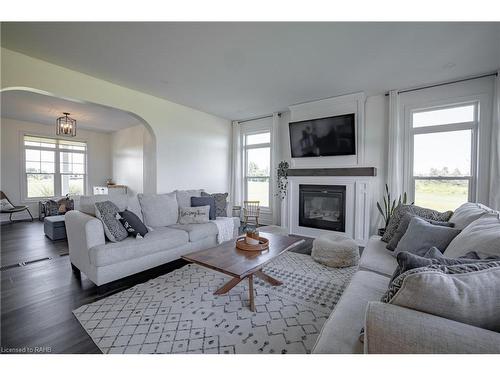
[[322, 207]]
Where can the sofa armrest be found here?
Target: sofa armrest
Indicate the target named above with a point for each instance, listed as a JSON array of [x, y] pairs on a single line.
[[398, 330], [83, 232]]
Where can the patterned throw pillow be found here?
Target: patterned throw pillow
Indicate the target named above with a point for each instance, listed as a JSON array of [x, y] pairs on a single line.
[[5, 204], [466, 293], [194, 215], [424, 213], [220, 203], [131, 222], [106, 212]]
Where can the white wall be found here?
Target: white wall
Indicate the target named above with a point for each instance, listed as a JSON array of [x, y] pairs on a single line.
[[376, 127], [192, 147], [99, 157], [127, 148]]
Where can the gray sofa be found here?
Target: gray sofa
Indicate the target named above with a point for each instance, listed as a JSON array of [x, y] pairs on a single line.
[[390, 328], [103, 261]]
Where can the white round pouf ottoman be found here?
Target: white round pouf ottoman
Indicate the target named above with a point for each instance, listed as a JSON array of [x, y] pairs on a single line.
[[335, 250]]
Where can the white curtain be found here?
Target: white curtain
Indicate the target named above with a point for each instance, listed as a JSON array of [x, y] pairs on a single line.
[[236, 188], [275, 159], [495, 149], [395, 147]]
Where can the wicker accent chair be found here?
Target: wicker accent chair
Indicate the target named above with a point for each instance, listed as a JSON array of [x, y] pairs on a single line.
[[14, 209], [251, 210]]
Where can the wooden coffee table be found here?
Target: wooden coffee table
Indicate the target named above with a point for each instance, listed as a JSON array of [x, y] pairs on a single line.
[[240, 265]]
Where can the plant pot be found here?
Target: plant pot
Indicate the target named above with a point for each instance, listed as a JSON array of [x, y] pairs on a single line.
[[381, 231]]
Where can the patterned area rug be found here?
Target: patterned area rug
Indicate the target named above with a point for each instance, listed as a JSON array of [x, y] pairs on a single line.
[[178, 312]]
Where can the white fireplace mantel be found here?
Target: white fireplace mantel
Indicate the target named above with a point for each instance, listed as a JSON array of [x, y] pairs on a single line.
[[358, 203]]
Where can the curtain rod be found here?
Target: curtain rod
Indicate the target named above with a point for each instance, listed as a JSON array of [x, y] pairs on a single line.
[[447, 83], [257, 118]]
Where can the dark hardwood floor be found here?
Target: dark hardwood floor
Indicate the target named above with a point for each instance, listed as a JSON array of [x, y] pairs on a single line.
[[24, 242], [37, 299]]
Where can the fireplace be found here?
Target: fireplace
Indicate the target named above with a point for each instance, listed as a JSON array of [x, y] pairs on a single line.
[[322, 207]]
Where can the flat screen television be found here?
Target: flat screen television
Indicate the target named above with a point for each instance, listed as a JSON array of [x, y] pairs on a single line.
[[329, 136]]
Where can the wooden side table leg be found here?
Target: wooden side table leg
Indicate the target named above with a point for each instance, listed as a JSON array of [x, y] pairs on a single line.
[[250, 292]]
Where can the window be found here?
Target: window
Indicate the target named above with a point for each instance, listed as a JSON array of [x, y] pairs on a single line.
[[54, 167], [257, 147], [443, 143]]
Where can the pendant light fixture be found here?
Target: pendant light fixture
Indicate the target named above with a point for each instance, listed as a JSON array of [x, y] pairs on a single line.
[[66, 126]]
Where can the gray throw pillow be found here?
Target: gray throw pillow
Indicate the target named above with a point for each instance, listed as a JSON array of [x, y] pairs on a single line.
[[421, 236], [194, 215], [403, 226], [107, 212], [466, 293], [220, 203], [408, 261], [422, 212], [205, 201], [159, 210]]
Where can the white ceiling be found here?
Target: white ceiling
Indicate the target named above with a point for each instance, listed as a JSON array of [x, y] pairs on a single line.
[[43, 109], [240, 70]]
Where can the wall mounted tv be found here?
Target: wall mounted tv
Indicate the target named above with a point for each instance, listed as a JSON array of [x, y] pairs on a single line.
[[329, 136]]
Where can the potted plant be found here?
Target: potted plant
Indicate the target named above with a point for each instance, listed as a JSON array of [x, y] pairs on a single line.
[[388, 208], [282, 179], [252, 236]]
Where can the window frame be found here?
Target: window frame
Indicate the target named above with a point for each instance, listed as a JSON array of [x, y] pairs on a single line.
[[245, 150], [473, 126], [57, 166]]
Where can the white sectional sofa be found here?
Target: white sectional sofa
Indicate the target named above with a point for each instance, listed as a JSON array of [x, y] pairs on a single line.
[[390, 328], [103, 261]]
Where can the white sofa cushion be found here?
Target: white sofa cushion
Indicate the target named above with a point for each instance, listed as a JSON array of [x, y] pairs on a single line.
[[161, 239], [467, 213], [134, 206], [466, 293], [340, 334], [391, 329], [159, 210], [197, 232], [377, 258], [482, 236], [184, 196]]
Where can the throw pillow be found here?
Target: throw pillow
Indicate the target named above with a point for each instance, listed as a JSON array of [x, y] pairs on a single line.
[[5, 204], [132, 223], [421, 236], [184, 196], [467, 213], [159, 210], [205, 201], [106, 212], [220, 203], [408, 261], [466, 293], [482, 236], [194, 215], [403, 226], [86, 203], [425, 213]]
